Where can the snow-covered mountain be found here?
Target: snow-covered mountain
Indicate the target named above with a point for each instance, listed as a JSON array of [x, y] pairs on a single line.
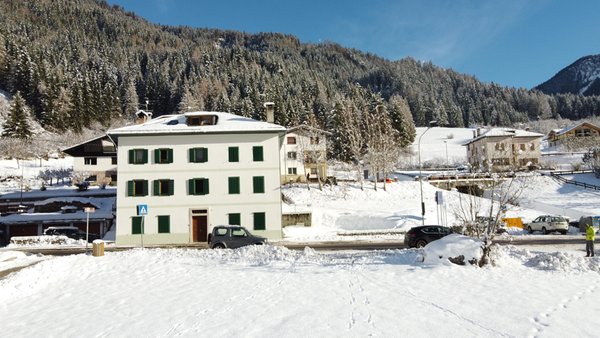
[[581, 77]]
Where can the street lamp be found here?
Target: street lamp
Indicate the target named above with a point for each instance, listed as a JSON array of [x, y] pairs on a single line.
[[431, 124]]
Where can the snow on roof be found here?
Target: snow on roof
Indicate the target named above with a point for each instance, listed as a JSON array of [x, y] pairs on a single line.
[[61, 192], [504, 132], [307, 127], [177, 124], [104, 210], [568, 129]]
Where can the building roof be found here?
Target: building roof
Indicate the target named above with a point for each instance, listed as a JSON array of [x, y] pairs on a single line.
[[505, 132], [307, 127], [177, 124], [79, 149], [568, 129]]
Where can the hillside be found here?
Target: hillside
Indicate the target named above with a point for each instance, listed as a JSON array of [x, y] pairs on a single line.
[[77, 62], [581, 77]]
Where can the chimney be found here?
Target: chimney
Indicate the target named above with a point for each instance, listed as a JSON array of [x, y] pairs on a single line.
[[478, 132], [270, 108], [142, 117], [474, 133]]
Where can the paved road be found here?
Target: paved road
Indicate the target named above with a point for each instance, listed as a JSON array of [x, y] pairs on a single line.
[[321, 246]]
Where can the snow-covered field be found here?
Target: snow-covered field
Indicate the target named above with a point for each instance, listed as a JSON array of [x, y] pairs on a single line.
[[274, 292], [29, 170]]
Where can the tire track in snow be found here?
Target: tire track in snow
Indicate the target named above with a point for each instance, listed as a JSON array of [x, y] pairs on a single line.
[[543, 320]]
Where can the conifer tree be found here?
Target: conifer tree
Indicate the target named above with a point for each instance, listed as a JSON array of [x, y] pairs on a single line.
[[16, 124]]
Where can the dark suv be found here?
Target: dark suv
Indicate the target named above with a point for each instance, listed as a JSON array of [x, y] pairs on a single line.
[[420, 236], [71, 232], [232, 236]]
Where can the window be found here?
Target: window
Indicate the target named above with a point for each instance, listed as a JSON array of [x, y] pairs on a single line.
[[113, 160], [113, 177], [92, 178], [138, 156], [234, 185], [198, 186], [137, 188], [257, 154], [203, 120], [313, 171], [291, 140], [235, 219], [234, 154], [292, 155], [222, 231], [258, 184], [163, 187], [198, 155], [522, 146], [162, 156], [136, 225], [259, 221], [314, 140], [532, 146], [238, 233], [90, 160], [164, 224], [292, 171]]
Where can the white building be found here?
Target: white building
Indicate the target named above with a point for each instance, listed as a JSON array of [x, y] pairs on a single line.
[[95, 160], [304, 152], [195, 171]]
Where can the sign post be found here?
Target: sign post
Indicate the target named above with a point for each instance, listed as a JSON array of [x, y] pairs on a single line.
[[142, 210], [87, 210]]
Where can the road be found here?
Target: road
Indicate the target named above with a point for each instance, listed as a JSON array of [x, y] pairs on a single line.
[[320, 246]]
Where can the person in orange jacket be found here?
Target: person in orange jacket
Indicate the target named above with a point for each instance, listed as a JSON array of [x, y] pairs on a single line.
[[589, 240]]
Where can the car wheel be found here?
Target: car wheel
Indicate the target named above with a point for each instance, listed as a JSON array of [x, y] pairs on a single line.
[[544, 230], [219, 246], [421, 243], [529, 230]]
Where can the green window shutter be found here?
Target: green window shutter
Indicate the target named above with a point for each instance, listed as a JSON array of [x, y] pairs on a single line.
[[258, 184], [257, 153], [169, 155], [234, 154], [164, 224], [130, 188], [171, 187], [205, 186], [259, 221], [205, 154], [192, 186], [145, 156], [235, 219], [145, 187], [191, 153], [131, 156], [136, 225], [156, 188], [157, 156], [234, 185]]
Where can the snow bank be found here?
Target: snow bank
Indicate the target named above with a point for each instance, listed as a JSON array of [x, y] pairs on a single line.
[[451, 246], [44, 241]]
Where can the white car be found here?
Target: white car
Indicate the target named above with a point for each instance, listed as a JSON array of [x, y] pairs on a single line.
[[548, 224]]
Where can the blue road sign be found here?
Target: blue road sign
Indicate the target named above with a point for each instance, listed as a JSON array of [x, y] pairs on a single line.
[[142, 209]]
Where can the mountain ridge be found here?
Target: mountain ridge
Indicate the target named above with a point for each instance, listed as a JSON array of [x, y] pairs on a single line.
[[581, 77]]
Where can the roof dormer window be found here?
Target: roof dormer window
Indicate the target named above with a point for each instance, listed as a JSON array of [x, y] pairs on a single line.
[[202, 120]]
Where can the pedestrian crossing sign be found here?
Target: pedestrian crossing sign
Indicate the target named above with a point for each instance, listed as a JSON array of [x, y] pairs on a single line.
[[142, 209]]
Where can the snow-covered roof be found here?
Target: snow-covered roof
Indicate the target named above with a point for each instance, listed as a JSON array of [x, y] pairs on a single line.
[[504, 132], [177, 124], [307, 127], [104, 210], [568, 129]]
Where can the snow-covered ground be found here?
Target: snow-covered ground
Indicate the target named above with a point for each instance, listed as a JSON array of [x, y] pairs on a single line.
[[12, 171], [270, 291]]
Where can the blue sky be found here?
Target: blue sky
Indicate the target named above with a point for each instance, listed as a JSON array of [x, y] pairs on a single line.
[[514, 43]]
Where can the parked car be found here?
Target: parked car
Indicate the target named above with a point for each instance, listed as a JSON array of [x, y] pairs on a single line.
[[420, 236], [71, 232], [548, 224], [232, 236]]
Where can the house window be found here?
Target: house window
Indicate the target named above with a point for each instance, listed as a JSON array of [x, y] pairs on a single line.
[[163, 188], [163, 156], [137, 188], [198, 186], [499, 146], [113, 177], [314, 140], [138, 156], [164, 224], [292, 155], [204, 120], [90, 160], [113, 160], [292, 171], [258, 184], [313, 171], [257, 154], [532, 146], [291, 140], [234, 154], [234, 185], [259, 221], [198, 155], [136, 225], [522, 146], [235, 219]]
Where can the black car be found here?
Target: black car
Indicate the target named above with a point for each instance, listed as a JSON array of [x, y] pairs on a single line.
[[232, 236], [418, 237], [71, 232]]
